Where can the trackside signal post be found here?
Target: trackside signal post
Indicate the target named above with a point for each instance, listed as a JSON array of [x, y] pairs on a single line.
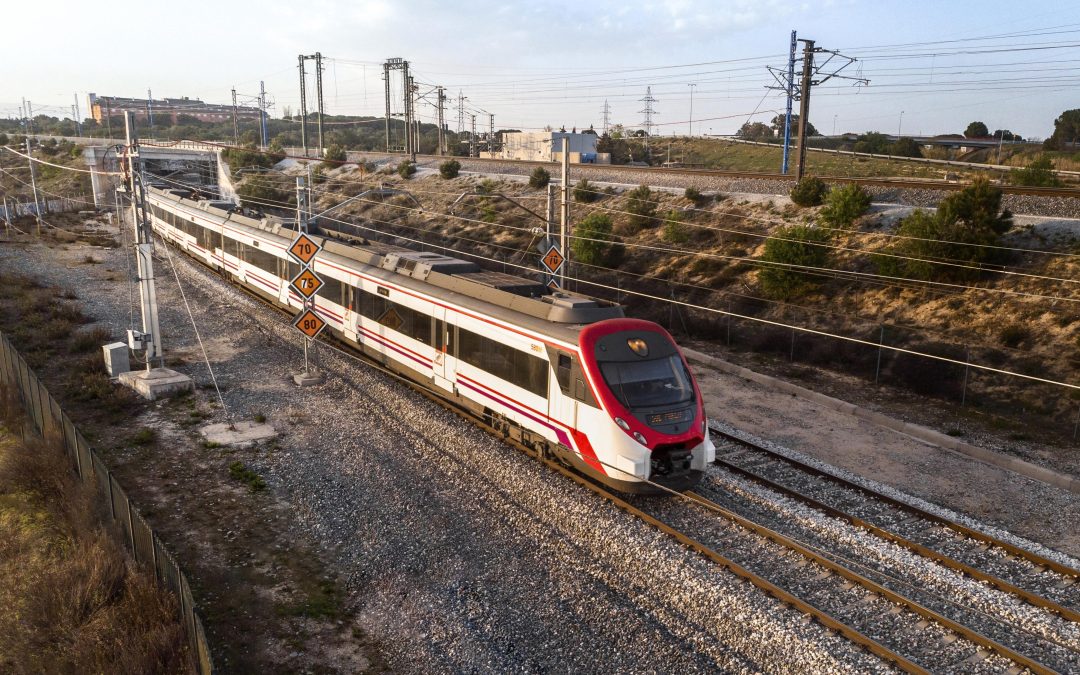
[[305, 284]]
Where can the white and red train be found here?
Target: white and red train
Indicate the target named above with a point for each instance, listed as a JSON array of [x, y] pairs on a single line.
[[566, 375]]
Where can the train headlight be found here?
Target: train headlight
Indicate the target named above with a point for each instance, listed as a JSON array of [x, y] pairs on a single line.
[[639, 438], [622, 424]]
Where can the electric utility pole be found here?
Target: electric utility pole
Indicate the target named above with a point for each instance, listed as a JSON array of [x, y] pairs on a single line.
[[564, 211], [235, 125], [319, 96], [78, 122], [263, 126], [303, 105], [491, 135], [33, 186], [150, 111], [144, 246], [473, 149], [441, 98], [811, 76]]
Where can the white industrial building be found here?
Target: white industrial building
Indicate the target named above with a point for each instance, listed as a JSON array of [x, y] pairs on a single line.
[[547, 146]]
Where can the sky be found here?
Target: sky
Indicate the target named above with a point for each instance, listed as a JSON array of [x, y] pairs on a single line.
[[932, 67]]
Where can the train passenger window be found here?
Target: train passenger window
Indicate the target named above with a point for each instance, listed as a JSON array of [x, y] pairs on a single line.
[[504, 362], [332, 289], [562, 372]]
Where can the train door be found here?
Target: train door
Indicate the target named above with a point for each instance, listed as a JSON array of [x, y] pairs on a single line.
[[562, 405], [445, 364], [349, 315]]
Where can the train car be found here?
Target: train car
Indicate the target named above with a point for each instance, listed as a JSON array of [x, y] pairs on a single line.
[[566, 375]]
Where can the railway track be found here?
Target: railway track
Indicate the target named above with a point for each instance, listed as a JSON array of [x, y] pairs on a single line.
[[1046, 631]]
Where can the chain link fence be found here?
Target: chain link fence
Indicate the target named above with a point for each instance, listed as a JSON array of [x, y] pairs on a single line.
[[53, 425]]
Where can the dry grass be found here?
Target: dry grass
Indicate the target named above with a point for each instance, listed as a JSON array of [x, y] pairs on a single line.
[[73, 601]]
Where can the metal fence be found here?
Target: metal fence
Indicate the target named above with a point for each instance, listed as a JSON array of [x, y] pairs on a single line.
[[50, 422]]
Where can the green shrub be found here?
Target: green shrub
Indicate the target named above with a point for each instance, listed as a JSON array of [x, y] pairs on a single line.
[[486, 187], [1039, 173], [642, 208], [694, 195], [791, 247], [844, 205], [245, 475], [809, 191], [965, 230], [3, 139], [334, 153], [450, 169], [539, 177], [406, 169], [584, 192], [675, 231], [592, 236]]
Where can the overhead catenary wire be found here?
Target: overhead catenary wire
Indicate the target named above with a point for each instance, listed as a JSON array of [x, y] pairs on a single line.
[[831, 272]]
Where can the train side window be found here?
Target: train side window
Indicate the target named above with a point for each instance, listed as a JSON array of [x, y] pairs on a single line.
[[440, 334], [562, 372]]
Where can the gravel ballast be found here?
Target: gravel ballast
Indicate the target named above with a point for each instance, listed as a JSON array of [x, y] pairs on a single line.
[[458, 552]]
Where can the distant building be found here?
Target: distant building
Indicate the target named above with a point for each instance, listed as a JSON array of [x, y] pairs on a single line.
[[166, 109], [547, 146]]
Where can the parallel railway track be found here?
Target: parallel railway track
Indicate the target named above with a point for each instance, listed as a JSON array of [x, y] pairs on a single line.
[[583, 170]]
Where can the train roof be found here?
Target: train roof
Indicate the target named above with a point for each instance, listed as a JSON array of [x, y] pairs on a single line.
[[459, 280]]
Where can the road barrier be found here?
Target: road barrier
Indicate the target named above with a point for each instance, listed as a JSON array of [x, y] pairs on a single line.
[[52, 424]]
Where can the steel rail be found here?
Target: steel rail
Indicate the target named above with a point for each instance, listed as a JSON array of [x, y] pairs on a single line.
[[972, 533], [874, 587]]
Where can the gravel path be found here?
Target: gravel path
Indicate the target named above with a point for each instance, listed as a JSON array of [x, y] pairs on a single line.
[[460, 553]]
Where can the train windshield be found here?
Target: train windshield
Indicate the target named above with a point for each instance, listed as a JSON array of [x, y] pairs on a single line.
[[649, 384]]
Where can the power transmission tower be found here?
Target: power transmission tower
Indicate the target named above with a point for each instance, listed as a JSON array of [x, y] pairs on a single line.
[[474, 151], [78, 122], [75, 122], [150, 111], [812, 75], [491, 135], [606, 112], [235, 125], [303, 105], [648, 112], [441, 98]]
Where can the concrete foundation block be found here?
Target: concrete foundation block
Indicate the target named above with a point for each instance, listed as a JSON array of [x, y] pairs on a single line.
[[157, 383], [238, 435], [309, 378]]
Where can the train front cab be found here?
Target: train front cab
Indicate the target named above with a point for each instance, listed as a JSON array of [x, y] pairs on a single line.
[[654, 424]]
